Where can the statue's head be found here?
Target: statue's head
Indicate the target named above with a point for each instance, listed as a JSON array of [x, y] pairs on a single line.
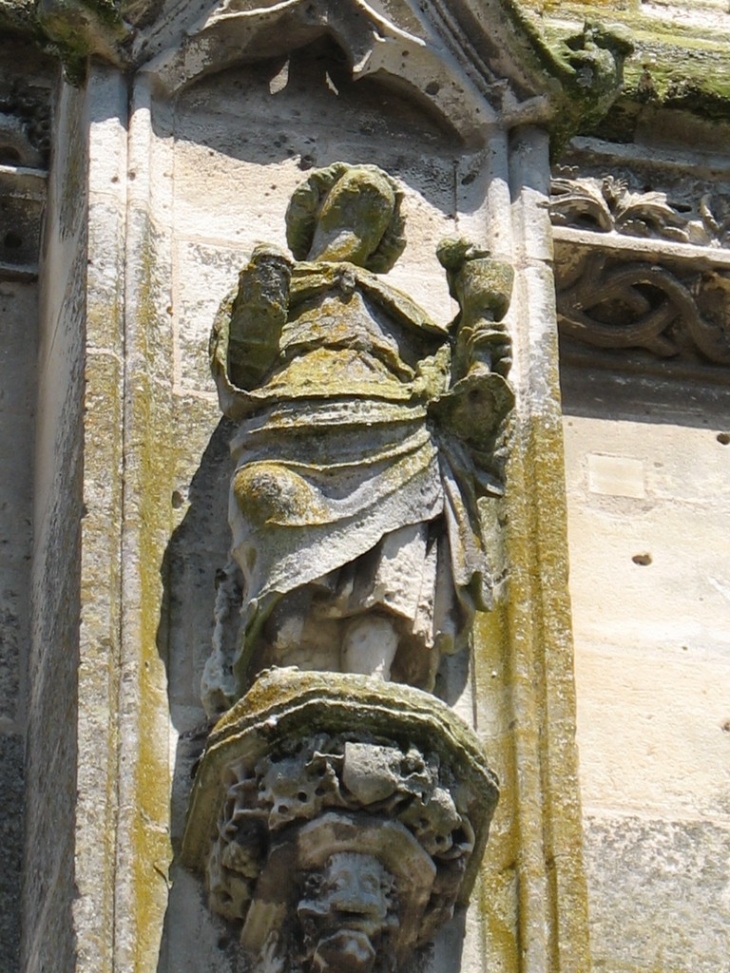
[[348, 213]]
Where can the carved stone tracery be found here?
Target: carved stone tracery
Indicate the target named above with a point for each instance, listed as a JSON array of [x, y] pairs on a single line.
[[608, 204], [617, 303], [643, 268], [25, 125]]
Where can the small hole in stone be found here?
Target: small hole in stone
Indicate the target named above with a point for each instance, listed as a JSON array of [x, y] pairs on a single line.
[[177, 499], [433, 88], [282, 809], [723, 438], [319, 792], [642, 559], [725, 726], [12, 241]]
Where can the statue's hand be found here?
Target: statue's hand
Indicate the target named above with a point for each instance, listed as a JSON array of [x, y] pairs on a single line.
[[483, 286], [453, 252], [258, 314]]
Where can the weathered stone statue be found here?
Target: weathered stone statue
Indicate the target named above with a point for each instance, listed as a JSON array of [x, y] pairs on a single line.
[[366, 432]]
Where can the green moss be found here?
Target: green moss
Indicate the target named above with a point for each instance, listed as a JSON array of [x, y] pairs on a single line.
[[582, 72], [79, 28], [678, 66], [148, 519]]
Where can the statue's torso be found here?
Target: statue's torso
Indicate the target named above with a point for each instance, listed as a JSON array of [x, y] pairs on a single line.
[[343, 342]]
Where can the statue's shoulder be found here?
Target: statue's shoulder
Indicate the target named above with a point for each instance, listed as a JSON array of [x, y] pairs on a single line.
[[312, 278]]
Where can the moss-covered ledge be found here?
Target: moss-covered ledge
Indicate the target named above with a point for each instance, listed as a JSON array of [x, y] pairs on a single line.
[[681, 59]]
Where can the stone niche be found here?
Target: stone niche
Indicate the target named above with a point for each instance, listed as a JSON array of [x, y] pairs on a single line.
[[228, 115], [231, 148]]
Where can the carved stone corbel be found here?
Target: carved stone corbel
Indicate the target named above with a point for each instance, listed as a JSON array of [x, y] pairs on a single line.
[[338, 820]]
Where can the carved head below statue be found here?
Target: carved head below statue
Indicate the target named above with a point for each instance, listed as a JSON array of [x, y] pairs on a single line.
[[347, 213], [347, 908], [367, 885], [339, 851]]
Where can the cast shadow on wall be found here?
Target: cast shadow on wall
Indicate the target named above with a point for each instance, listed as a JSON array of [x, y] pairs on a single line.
[[195, 554], [305, 108]]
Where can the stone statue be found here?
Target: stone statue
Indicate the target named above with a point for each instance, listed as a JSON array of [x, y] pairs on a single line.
[[366, 431]]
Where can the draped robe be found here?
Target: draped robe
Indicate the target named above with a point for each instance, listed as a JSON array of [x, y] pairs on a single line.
[[345, 480]]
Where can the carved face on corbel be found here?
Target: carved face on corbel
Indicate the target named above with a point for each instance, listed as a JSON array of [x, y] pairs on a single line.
[[348, 908], [343, 893]]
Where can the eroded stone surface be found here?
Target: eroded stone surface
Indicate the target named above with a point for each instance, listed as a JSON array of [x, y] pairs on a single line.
[[361, 445], [12, 798], [651, 612], [659, 894], [328, 849]]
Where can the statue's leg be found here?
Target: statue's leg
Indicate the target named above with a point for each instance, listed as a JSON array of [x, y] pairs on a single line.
[[369, 645], [293, 638]]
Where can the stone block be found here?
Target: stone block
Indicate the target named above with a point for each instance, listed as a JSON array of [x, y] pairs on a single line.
[[659, 894], [615, 476]]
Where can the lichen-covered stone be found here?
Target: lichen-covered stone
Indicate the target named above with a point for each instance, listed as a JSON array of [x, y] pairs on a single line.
[[361, 446], [293, 775]]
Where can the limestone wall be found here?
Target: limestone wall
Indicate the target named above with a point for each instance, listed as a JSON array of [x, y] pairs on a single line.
[[648, 477], [18, 317], [52, 706], [24, 82]]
